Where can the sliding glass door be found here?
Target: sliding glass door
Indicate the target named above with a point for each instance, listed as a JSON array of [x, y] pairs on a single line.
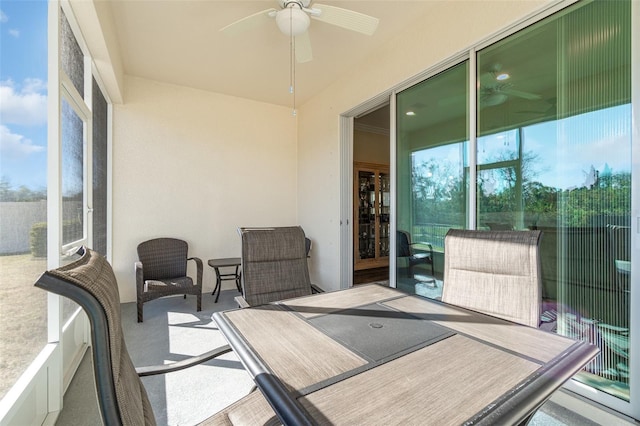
[[551, 150], [432, 180], [554, 153]]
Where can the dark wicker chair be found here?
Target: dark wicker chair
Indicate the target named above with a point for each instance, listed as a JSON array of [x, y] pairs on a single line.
[[122, 398], [161, 271], [274, 265], [414, 256]]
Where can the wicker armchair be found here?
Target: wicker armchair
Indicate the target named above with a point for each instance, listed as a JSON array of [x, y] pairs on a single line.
[[162, 271]]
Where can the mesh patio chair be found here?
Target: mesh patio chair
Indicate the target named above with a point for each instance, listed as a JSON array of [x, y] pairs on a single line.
[[274, 265], [494, 272], [161, 270], [122, 398]]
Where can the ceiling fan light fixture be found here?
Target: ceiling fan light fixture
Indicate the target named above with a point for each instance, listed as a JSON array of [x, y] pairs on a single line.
[[292, 21]]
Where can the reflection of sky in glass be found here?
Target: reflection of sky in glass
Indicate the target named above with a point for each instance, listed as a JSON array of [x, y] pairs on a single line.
[[498, 147], [450, 155], [72, 151], [568, 148], [569, 151]]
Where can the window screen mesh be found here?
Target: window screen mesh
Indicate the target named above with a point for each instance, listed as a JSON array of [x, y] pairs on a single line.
[[99, 170], [72, 174], [71, 55]]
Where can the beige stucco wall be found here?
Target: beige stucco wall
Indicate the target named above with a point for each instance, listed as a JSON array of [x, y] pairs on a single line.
[[452, 27], [187, 164]]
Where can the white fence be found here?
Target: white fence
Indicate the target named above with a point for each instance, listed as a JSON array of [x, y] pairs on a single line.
[[16, 220]]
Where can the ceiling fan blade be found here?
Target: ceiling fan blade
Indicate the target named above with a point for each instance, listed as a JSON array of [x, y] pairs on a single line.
[[519, 94], [249, 22], [349, 19], [487, 80], [303, 48]]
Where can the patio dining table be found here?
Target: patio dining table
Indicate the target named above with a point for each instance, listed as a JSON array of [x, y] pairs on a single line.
[[372, 354]]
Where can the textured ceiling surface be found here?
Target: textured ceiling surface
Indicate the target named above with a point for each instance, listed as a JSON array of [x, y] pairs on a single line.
[[180, 42]]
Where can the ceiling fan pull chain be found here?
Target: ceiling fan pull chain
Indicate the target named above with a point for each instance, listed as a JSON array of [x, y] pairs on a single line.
[[292, 61]]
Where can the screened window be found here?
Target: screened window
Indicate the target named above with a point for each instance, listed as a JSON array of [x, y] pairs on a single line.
[[28, 229], [72, 175], [72, 58], [23, 190], [100, 172]]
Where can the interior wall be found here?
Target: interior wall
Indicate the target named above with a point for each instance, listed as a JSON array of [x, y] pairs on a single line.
[[188, 165], [451, 28], [370, 147]]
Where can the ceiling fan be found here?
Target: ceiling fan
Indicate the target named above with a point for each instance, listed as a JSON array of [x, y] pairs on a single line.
[[495, 88], [550, 110], [293, 18]]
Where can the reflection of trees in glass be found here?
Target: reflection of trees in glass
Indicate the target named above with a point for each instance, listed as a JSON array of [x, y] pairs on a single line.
[[439, 195], [608, 196], [438, 192]]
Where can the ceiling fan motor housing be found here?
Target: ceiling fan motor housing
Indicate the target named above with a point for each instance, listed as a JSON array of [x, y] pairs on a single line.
[[301, 3], [292, 20]]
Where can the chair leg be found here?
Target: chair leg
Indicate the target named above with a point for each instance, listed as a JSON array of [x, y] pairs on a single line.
[[199, 302], [140, 311]]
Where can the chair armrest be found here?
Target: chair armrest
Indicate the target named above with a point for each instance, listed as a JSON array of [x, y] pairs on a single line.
[[139, 277], [153, 370], [198, 269], [421, 250], [419, 255], [242, 303], [424, 243], [316, 289]]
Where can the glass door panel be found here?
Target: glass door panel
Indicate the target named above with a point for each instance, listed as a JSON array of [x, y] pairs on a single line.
[[554, 154], [432, 141]]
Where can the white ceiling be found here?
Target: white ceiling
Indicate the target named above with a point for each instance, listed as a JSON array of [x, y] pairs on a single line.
[[179, 42]]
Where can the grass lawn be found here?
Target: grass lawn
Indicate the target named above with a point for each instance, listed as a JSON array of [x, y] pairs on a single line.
[[23, 316]]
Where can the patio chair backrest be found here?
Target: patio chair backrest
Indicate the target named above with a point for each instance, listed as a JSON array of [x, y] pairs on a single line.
[[494, 272], [90, 282], [274, 264]]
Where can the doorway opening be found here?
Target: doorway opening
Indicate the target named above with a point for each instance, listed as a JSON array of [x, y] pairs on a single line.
[[371, 196]]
